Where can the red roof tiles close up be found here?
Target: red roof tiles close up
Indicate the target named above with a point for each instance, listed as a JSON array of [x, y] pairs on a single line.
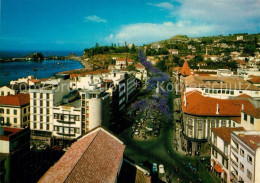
[[15, 100], [198, 104], [96, 157], [225, 133]]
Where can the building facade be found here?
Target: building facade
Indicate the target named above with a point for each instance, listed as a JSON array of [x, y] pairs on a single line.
[[15, 110]]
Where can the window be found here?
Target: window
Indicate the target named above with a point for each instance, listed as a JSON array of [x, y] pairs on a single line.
[[83, 96], [245, 117], [249, 174], [34, 102], [223, 91], [41, 110], [47, 103], [47, 127], [215, 91], [7, 111], [34, 95], [2, 93], [24, 110], [47, 111], [234, 124], [240, 91], [214, 153], [34, 117], [8, 93], [225, 149], [41, 118], [210, 91], [219, 91], [224, 162], [24, 119], [35, 110], [34, 125], [223, 123], [41, 103], [190, 131], [242, 152], [15, 120], [2, 110], [41, 126], [241, 166], [206, 90], [47, 95], [249, 159], [215, 139], [41, 95], [212, 123], [47, 119], [232, 92], [56, 116], [227, 92], [8, 120], [77, 118], [15, 112], [251, 120]]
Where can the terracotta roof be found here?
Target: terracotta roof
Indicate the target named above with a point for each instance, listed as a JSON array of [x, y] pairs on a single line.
[[96, 72], [219, 82], [95, 157], [252, 140], [15, 100], [185, 70], [34, 80], [225, 133], [236, 119], [197, 104], [139, 66], [255, 80], [255, 112], [244, 96], [241, 62]]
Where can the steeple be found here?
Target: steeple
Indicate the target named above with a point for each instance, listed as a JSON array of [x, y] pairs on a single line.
[[185, 70]]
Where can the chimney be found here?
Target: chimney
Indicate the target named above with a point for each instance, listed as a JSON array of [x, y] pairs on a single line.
[[242, 107], [217, 112]]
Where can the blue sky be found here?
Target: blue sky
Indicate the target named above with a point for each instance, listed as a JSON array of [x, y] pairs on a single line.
[[79, 24]]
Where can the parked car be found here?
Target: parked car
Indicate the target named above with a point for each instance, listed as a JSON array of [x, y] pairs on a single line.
[[161, 169], [155, 169]]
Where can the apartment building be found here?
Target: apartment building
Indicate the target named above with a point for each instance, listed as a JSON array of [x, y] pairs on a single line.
[[250, 118], [67, 118], [14, 89], [14, 147], [42, 99], [221, 87], [220, 151], [245, 156], [95, 109], [201, 113], [15, 110]]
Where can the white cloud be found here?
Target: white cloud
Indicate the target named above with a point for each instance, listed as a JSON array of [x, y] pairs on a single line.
[[195, 18], [148, 32], [94, 18], [163, 5]]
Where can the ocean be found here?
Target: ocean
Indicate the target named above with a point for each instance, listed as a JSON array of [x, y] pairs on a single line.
[[13, 70]]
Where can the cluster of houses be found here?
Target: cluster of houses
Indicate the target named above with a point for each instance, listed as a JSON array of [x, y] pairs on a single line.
[[220, 111], [62, 109]]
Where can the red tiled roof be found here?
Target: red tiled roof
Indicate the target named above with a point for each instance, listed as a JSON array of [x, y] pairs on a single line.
[[96, 72], [15, 100], [244, 96], [139, 66], [185, 70], [96, 157], [255, 112], [225, 133], [198, 104], [252, 141], [34, 80], [236, 119], [241, 62], [255, 80]]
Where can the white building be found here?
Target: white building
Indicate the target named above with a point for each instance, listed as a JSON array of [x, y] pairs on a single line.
[[15, 110], [220, 151], [245, 156], [245, 73], [42, 100], [14, 89], [224, 72], [221, 87], [250, 119]]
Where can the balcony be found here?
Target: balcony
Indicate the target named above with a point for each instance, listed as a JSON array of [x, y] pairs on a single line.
[[234, 162], [67, 134], [66, 122]]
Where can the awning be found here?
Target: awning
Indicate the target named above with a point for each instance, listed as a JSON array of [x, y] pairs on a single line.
[[218, 168]]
